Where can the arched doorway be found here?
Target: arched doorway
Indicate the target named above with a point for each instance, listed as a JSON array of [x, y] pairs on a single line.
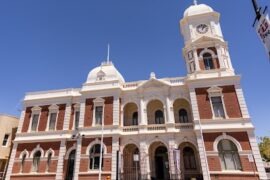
[[159, 161], [131, 163], [190, 164], [70, 165]]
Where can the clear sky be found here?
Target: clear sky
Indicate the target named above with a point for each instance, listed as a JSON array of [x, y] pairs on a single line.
[[50, 44]]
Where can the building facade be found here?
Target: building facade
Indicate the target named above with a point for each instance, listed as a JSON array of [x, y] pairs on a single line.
[[197, 126], [8, 128]]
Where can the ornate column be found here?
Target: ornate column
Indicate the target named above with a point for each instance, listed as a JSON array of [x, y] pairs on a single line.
[[60, 164], [142, 112], [170, 115], [115, 148], [77, 158], [172, 147], [220, 57], [144, 160], [196, 59], [256, 155], [241, 100], [116, 110], [82, 111], [67, 116]]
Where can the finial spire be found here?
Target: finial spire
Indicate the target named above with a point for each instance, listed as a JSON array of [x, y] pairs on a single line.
[[108, 54], [195, 2]]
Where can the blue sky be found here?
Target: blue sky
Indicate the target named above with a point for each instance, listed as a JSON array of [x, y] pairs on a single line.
[[51, 44]]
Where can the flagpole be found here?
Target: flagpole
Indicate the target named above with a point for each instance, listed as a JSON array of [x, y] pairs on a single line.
[[101, 148]]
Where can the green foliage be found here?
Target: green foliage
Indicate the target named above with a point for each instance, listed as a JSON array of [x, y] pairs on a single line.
[[264, 146]]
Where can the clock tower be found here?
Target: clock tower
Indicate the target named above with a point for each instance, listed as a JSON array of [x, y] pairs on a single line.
[[205, 51]]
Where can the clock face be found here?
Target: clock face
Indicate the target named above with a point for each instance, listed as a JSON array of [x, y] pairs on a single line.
[[202, 28]]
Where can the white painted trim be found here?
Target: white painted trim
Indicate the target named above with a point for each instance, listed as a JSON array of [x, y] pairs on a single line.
[[96, 141], [205, 50], [24, 152], [215, 91], [35, 111], [98, 102], [123, 146], [49, 151], [228, 137], [69, 150], [49, 118], [37, 148], [76, 108]]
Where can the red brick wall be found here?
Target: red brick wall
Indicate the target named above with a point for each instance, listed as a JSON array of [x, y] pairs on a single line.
[[61, 116], [108, 111], [215, 60], [71, 120], [203, 103], [88, 116], [214, 163], [26, 120], [94, 177], [241, 137], [43, 162], [233, 177], [33, 177], [43, 118], [230, 100], [215, 63], [84, 166]]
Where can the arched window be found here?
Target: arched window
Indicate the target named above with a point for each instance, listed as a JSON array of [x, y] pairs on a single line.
[[228, 155], [70, 165], [36, 161], [189, 158], [208, 61], [49, 159], [183, 116], [23, 161], [135, 119], [94, 156], [159, 119]]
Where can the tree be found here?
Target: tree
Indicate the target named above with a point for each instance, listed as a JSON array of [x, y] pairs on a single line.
[[264, 146]]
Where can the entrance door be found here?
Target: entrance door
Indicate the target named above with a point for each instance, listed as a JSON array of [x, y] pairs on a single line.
[[162, 163], [70, 165]]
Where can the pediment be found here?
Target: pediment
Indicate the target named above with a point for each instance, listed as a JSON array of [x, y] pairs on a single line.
[[206, 38], [153, 83], [214, 89]]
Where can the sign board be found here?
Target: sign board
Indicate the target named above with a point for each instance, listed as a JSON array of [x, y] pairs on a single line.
[[136, 157], [250, 158], [176, 154], [263, 30]]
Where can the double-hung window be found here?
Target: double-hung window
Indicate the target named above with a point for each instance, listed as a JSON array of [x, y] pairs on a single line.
[[77, 119], [5, 140], [34, 124], [218, 107], [52, 121], [98, 115]]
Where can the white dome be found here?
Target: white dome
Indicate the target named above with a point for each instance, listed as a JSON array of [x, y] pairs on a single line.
[[197, 9], [105, 72]]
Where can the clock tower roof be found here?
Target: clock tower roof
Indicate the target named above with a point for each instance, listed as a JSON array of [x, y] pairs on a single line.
[[197, 9]]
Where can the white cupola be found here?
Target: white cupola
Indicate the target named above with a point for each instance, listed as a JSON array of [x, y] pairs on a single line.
[[104, 73]]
